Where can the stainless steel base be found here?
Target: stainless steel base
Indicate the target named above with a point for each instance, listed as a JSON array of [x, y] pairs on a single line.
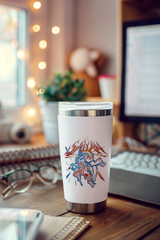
[[86, 208]]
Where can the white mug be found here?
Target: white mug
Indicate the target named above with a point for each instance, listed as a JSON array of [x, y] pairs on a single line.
[[107, 84]]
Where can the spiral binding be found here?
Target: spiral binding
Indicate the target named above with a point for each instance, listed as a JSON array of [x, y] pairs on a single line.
[[72, 229], [27, 158]]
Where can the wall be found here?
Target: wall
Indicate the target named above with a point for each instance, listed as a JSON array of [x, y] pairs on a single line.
[[59, 13], [89, 23], [96, 28]]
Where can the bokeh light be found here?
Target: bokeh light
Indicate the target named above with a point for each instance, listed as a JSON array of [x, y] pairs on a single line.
[[41, 91], [37, 5], [36, 28], [43, 44], [37, 92], [20, 54], [31, 112], [42, 65], [31, 82], [55, 30], [24, 212]]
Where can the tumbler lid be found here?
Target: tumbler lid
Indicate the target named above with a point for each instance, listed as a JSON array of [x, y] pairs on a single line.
[[85, 109]]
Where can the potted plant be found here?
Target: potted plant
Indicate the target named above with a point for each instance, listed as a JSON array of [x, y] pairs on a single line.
[[62, 87]]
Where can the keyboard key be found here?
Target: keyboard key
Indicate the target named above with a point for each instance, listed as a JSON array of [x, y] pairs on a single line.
[[152, 165], [154, 159], [158, 165], [129, 161], [144, 164], [139, 156], [136, 163], [132, 161]]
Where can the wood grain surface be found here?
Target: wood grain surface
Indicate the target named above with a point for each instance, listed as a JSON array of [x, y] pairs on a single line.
[[49, 200], [123, 218]]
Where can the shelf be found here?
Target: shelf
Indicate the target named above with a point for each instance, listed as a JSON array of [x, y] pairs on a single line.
[[116, 102], [144, 5]]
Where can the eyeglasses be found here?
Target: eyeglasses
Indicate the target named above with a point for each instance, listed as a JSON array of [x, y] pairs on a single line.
[[20, 180]]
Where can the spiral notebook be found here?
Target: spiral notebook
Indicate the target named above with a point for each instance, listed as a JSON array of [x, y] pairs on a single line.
[[60, 228], [28, 157]]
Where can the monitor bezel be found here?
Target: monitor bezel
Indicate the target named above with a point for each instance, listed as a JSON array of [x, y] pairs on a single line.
[[123, 117]]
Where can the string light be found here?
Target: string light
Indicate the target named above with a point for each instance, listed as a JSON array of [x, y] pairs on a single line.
[[37, 92], [42, 65], [55, 30], [37, 5], [36, 28], [41, 91], [31, 112], [20, 54], [31, 82], [43, 44]]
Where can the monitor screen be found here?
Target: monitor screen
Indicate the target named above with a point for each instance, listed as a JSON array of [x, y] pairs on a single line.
[[140, 86]]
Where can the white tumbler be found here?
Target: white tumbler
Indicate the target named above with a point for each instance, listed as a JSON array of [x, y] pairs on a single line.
[[85, 138]]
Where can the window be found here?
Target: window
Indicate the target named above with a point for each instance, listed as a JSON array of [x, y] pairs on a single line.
[[30, 26], [12, 56]]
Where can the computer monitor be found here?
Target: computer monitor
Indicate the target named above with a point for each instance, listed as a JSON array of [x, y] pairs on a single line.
[[140, 86]]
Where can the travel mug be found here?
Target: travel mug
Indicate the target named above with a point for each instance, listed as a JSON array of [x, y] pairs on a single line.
[[85, 137]]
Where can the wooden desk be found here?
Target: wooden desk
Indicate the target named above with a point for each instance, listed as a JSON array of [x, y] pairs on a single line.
[[123, 218]]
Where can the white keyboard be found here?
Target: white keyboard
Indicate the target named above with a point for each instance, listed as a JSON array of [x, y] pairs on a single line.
[[136, 175]]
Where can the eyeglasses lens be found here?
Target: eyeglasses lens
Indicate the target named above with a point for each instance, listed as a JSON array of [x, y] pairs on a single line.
[[48, 173], [20, 179]]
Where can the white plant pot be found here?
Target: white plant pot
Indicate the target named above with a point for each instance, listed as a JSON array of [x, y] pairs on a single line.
[[49, 112]]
